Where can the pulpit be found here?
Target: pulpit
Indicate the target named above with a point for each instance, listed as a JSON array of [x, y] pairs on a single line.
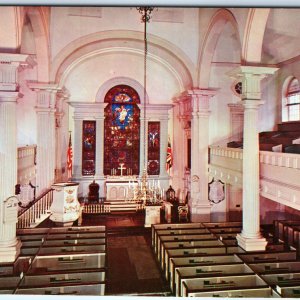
[[65, 208]]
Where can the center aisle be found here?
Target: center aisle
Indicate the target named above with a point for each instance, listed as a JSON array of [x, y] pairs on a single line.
[[132, 268], [131, 265]]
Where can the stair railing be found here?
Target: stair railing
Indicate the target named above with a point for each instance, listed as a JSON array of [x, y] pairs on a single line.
[[37, 210]]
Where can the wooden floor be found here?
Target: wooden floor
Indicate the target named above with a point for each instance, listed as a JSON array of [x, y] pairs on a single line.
[[132, 267]]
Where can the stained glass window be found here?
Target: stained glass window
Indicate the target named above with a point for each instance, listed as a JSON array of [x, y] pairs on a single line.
[[153, 148], [122, 131], [88, 147]]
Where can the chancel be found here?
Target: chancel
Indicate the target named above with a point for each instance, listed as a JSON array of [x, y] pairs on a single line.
[[149, 151]]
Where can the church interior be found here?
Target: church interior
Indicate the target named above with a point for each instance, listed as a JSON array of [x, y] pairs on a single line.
[[150, 151]]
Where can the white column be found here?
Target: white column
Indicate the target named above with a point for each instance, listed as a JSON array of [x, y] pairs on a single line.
[[46, 136], [194, 155], [100, 146], [59, 114], [250, 239], [143, 144], [9, 66], [163, 146], [201, 207], [9, 245], [42, 164], [77, 149]]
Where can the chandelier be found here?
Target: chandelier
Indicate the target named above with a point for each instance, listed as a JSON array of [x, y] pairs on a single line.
[[143, 191]]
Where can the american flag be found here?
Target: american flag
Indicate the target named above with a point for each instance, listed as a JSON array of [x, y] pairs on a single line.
[[70, 158], [169, 162]]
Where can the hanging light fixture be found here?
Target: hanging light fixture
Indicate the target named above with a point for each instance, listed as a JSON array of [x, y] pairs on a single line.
[[144, 192]]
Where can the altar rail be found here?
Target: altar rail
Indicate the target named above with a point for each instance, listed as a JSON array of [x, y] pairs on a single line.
[[36, 212], [279, 173]]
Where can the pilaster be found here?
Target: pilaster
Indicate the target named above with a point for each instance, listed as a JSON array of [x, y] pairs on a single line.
[[251, 239], [100, 145], [163, 146]]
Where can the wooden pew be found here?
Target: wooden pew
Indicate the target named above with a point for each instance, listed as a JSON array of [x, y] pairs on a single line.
[[222, 224], [268, 256], [246, 293], [289, 292], [282, 280], [207, 271], [91, 288], [54, 281], [182, 237], [8, 283], [276, 267], [156, 227], [78, 248], [190, 252], [196, 261], [279, 228], [190, 287], [186, 245]]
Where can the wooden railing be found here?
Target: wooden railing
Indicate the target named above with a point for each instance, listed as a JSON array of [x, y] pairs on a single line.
[[37, 211], [97, 208]]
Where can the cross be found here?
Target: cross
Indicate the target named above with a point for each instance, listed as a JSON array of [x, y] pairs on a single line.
[[122, 168]]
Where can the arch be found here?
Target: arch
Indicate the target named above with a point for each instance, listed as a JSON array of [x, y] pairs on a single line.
[[254, 35], [215, 28], [105, 87], [168, 55], [38, 19]]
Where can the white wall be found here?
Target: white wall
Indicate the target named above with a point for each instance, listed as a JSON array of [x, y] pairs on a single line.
[[268, 111], [84, 81], [182, 31]]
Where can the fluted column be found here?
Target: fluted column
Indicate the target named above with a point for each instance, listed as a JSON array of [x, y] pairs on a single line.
[[59, 115], [200, 141], [163, 146], [143, 144], [250, 239], [9, 66], [100, 145], [77, 149], [46, 135]]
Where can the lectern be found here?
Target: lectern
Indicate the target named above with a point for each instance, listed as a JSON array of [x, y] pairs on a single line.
[[65, 208]]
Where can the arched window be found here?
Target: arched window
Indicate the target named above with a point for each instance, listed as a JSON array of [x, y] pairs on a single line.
[[122, 131], [291, 103]]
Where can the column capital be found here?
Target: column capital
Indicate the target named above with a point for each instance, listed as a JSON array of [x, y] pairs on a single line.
[[200, 99], [251, 77], [43, 86], [16, 59], [9, 66], [237, 108], [250, 104], [9, 96]]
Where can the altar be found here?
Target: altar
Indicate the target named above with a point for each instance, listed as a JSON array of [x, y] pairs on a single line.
[[119, 188]]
